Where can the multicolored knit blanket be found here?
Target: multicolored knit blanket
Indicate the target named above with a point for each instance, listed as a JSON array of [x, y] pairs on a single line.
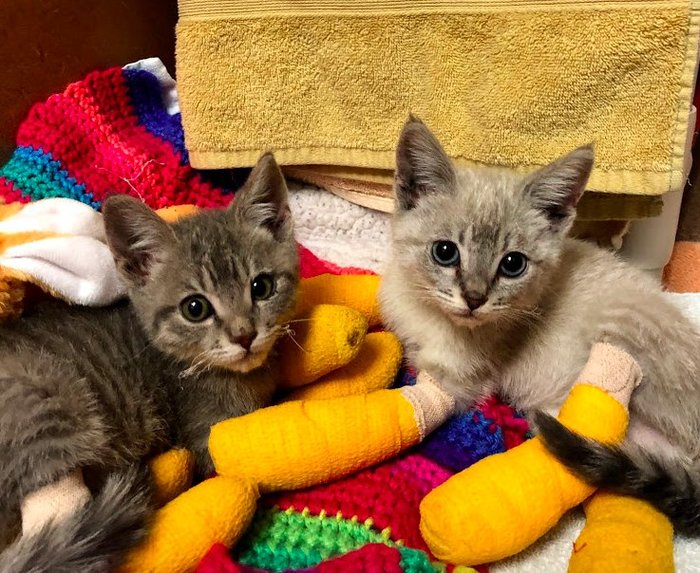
[[112, 133]]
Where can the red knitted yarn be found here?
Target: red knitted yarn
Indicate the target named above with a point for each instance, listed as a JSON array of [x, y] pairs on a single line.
[[514, 427], [310, 266], [10, 194], [367, 495], [92, 129], [372, 558]]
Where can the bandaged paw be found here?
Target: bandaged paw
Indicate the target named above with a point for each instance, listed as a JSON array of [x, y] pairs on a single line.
[[54, 502], [613, 370], [431, 403], [505, 502]]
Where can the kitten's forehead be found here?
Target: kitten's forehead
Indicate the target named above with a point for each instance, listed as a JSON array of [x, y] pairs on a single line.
[[479, 206], [487, 195], [222, 252]]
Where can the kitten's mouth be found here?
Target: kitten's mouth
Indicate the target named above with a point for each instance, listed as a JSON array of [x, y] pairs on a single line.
[[464, 317], [253, 358], [248, 362]]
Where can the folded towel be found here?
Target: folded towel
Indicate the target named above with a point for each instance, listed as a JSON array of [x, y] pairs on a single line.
[[511, 82], [373, 188]]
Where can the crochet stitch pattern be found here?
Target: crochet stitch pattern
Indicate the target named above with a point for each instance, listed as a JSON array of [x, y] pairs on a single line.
[[110, 133]]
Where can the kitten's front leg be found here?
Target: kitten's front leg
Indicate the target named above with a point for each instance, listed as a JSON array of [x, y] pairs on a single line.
[[193, 434], [467, 390], [215, 397], [203, 462]]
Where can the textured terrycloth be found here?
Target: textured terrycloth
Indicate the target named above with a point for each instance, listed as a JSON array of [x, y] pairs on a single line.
[[500, 82], [373, 188]]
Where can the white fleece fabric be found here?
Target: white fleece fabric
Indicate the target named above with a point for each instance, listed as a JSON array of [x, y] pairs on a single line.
[[76, 263]]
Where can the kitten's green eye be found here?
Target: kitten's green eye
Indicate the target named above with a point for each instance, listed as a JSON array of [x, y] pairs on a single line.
[[445, 253], [262, 287], [513, 265], [196, 308]]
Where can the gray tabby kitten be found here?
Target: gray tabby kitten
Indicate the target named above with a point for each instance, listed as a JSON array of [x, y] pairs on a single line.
[[104, 388], [489, 295]]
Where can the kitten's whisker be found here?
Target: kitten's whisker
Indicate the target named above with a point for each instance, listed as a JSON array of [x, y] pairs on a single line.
[[289, 332], [203, 362], [515, 315]]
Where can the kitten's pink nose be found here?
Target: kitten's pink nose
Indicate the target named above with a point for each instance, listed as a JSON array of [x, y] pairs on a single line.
[[245, 340], [474, 300]]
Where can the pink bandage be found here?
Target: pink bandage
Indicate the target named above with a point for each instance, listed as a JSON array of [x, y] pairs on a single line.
[[431, 404], [613, 370], [54, 502]]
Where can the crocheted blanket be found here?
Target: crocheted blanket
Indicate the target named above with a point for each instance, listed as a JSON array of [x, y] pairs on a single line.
[[118, 131]]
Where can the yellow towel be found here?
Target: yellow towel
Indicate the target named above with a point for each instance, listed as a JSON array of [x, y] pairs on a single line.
[[509, 82], [373, 188]]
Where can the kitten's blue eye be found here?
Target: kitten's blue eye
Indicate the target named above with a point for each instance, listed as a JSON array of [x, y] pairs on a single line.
[[445, 253], [196, 308], [262, 287], [512, 265]]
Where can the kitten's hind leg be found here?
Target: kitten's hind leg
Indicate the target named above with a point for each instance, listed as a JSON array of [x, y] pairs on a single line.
[[95, 537], [54, 502], [50, 425]]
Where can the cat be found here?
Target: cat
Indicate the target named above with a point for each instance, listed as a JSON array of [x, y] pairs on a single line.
[[489, 294], [103, 389]]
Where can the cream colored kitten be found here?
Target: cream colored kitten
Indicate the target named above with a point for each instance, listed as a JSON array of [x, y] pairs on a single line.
[[490, 296]]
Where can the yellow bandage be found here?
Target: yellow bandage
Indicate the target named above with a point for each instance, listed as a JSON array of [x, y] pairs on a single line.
[[623, 535], [505, 502]]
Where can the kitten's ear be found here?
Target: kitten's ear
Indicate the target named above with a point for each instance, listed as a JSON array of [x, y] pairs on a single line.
[[263, 198], [137, 236], [422, 166], [556, 188]]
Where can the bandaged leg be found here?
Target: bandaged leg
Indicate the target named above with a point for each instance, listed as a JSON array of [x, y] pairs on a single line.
[[623, 535], [54, 502], [502, 504]]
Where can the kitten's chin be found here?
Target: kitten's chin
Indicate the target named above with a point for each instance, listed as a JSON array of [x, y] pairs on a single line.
[[465, 320], [255, 358], [248, 363]]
